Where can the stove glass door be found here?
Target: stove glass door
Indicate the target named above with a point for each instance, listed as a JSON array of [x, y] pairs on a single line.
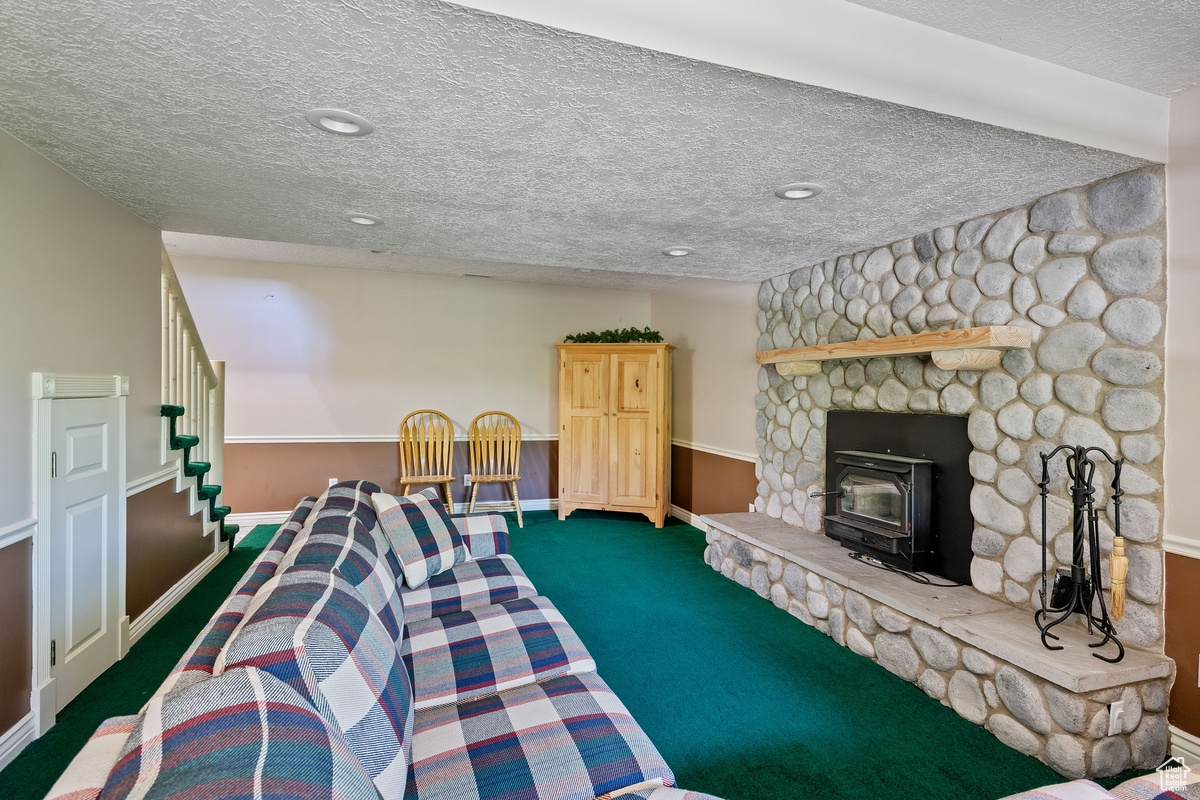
[[872, 498]]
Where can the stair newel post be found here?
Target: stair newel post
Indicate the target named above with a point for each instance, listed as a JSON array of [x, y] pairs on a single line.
[[216, 424]]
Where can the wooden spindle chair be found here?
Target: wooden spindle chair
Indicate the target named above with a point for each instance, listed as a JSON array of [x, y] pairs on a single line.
[[427, 452], [495, 453]]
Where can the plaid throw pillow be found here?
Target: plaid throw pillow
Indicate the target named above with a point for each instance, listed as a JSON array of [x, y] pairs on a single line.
[[243, 734], [424, 538]]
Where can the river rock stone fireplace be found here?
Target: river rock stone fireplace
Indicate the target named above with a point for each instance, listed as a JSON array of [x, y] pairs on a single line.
[[1083, 271]]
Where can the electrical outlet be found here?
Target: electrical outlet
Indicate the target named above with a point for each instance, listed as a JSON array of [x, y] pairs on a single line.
[[752, 508], [332, 481], [1115, 712]]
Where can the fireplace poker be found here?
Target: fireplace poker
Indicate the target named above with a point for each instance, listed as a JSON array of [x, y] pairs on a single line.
[[1079, 589]]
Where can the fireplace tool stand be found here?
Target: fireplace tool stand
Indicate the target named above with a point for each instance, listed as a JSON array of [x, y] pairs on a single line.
[[1079, 589]]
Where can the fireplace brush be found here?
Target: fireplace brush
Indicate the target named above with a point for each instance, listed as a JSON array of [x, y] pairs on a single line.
[[1078, 589]]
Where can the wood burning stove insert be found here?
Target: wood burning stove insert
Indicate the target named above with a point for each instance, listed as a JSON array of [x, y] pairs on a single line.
[[882, 507], [939, 543]]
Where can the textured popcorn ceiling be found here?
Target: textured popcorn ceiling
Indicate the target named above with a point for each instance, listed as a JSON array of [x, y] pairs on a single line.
[[194, 244], [498, 140], [1147, 44]]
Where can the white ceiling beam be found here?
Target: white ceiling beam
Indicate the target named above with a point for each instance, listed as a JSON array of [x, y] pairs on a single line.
[[850, 48]]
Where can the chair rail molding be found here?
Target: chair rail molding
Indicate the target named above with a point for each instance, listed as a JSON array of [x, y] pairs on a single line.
[[1181, 545], [17, 532], [365, 438], [716, 451]]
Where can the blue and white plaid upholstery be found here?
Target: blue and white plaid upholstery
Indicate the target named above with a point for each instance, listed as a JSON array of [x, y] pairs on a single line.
[[87, 772], [343, 545], [424, 538], [487, 650], [197, 662], [484, 533], [480, 582], [566, 739], [663, 793], [244, 734], [318, 635]]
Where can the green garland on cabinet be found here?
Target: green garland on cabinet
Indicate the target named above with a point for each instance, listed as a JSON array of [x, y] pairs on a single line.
[[623, 336]]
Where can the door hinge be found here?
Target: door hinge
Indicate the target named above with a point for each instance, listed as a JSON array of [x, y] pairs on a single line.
[[53, 465], [53, 656]]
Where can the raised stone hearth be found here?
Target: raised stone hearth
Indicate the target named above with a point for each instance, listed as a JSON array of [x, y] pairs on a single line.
[[976, 654]]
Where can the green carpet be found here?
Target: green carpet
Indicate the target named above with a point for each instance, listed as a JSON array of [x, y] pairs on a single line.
[[127, 685], [743, 700]]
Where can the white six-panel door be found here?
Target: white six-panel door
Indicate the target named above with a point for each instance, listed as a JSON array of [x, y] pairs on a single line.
[[85, 496]]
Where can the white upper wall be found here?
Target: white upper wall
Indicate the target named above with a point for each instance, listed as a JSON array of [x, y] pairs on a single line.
[[1181, 471], [79, 295], [714, 327], [315, 353], [844, 46]]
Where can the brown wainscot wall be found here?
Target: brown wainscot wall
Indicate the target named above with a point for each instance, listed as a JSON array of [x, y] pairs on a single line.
[[16, 631], [164, 543], [1183, 639], [266, 477], [708, 483], [271, 477]]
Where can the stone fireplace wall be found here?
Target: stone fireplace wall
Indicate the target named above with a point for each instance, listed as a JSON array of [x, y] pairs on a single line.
[[1083, 269]]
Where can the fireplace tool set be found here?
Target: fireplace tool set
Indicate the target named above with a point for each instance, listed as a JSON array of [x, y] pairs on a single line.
[[1078, 588]]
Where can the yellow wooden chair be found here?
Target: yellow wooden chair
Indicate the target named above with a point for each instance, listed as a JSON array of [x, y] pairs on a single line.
[[495, 448], [427, 452]]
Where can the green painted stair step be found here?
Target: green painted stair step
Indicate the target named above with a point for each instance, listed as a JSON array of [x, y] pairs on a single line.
[[229, 531], [171, 411], [196, 469], [219, 513], [208, 491], [183, 441]]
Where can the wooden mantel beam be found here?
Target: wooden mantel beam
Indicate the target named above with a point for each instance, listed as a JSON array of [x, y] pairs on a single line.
[[967, 348]]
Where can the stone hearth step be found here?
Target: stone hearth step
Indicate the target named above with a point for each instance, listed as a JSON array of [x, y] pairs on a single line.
[[974, 653], [990, 625]]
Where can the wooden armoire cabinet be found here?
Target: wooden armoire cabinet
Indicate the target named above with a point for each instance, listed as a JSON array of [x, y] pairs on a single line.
[[614, 413]]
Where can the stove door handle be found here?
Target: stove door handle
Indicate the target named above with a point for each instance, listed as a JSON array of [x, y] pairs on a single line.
[[822, 494]]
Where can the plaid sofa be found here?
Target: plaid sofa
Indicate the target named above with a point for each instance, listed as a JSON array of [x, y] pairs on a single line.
[[324, 676], [1169, 783]]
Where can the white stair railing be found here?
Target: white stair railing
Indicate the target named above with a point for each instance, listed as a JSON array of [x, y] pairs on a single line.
[[191, 380]]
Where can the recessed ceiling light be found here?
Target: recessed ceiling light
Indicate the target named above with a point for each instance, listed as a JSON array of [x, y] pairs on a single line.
[[677, 251], [343, 123], [799, 191], [366, 220]]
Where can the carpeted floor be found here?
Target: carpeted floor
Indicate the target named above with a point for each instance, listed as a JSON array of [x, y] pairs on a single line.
[[743, 700], [125, 687]]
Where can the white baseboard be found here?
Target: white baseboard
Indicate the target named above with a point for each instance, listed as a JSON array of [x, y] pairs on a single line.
[[695, 520], [138, 628], [1185, 745], [249, 519], [545, 504], [15, 738]]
